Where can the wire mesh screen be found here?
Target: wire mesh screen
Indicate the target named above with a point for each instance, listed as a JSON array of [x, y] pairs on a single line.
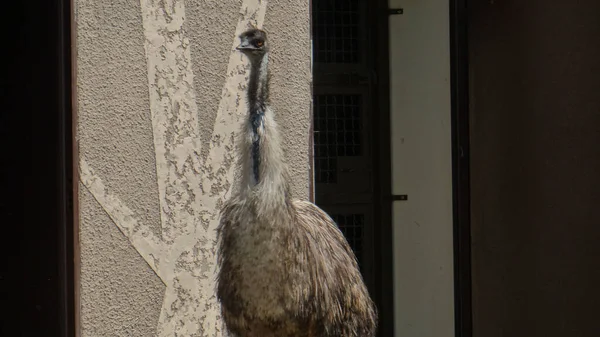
[[352, 226], [337, 132], [336, 31]]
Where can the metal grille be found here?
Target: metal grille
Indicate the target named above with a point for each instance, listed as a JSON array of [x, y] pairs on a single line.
[[352, 226], [336, 31], [337, 132]]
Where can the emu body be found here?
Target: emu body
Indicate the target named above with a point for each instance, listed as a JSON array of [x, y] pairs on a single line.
[[286, 270]]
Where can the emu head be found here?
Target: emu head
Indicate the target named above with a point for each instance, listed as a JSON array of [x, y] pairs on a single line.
[[253, 43]]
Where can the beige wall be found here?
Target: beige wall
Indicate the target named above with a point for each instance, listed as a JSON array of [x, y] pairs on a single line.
[[158, 91], [421, 166]]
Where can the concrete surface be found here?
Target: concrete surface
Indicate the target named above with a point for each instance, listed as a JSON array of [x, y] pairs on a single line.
[[120, 294]]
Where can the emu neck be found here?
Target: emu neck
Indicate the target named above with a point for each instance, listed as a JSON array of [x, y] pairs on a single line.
[[258, 92], [258, 85], [263, 166]]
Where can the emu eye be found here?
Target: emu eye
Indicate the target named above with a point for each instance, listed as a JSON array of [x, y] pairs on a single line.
[[259, 43]]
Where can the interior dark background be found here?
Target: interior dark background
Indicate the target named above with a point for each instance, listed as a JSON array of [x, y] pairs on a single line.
[[534, 78], [34, 130]]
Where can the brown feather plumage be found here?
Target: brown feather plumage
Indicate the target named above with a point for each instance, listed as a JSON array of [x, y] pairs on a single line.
[[285, 268]]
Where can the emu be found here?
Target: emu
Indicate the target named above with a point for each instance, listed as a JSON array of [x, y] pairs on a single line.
[[285, 268]]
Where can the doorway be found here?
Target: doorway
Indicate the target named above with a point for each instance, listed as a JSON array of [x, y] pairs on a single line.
[[351, 135], [36, 279]]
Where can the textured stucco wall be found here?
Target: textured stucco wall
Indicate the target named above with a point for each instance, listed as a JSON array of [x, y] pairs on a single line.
[[146, 70]]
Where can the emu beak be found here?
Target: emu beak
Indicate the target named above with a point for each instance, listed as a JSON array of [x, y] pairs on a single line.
[[244, 46]]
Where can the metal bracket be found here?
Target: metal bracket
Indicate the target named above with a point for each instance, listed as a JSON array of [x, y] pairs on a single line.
[[399, 197], [395, 11]]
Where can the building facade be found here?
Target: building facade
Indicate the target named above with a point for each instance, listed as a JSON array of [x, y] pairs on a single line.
[[454, 143], [159, 99]]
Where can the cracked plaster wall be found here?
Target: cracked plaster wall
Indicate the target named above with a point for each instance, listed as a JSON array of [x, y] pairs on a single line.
[[121, 294]]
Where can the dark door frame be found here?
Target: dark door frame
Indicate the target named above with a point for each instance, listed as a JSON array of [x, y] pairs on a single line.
[[66, 182], [460, 167], [37, 279], [382, 193]]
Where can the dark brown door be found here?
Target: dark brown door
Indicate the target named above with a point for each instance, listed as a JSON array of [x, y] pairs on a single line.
[[535, 167]]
